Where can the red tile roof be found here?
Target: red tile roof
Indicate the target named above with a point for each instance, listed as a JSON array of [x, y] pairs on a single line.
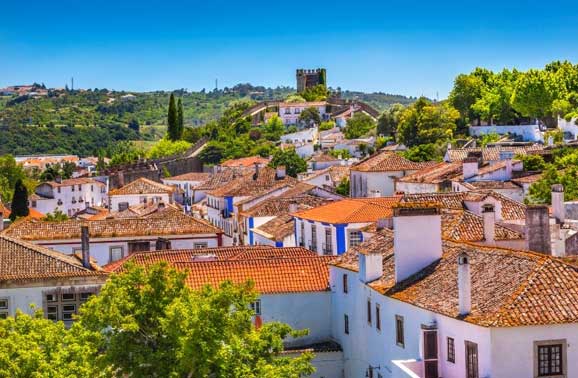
[[191, 176], [388, 161], [253, 184], [435, 174], [274, 270], [142, 186], [245, 162], [352, 210]]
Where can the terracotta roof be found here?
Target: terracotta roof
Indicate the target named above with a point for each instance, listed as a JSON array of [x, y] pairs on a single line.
[[253, 184], [20, 260], [497, 166], [142, 186], [291, 270], [223, 177], [143, 210], [32, 213], [528, 179], [387, 161], [352, 210], [277, 228], [204, 254], [511, 210], [245, 162], [74, 181], [466, 226], [191, 176], [323, 158], [509, 287], [280, 205], [336, 172], [473, 185], [170, 224], [435, 174], [490, 153]]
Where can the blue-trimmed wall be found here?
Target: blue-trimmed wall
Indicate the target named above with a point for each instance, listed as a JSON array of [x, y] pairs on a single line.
[[340, 236], [251, 225]]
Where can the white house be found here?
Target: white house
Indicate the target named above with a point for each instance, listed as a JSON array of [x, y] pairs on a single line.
[[289, 112], [69, 196], [139, 191], [329, 177], [113, 239], [417, 306], [491, 154], [530, 132], [569, 128], [292, 284], [34, 275], [333, 228], [309, 135], [186, 183], [376, 175]]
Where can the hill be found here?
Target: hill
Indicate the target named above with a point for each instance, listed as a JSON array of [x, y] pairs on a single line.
[[84, 121]]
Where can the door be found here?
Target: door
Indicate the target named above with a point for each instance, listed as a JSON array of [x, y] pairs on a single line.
[[430, 353], [471, 360]]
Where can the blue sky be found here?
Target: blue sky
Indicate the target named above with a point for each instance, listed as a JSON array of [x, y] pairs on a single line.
[[411, 48]]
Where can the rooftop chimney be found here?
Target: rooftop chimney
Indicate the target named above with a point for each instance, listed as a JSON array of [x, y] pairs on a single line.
[[293, 207], [558, 207], [489, 216], [538, 229], [281, 172], [257, 170], [464, 284], [58, 179], [370, 266], [417, 240], [384, 223], [85, 244], [470, 167]]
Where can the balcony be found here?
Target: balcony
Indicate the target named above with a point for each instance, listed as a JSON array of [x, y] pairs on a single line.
[[327, 248]]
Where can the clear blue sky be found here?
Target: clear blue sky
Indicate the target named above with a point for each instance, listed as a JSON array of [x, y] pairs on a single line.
[[407, 47]]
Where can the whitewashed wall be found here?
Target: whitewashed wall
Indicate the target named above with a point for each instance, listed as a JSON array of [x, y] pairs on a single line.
[[135, 199]]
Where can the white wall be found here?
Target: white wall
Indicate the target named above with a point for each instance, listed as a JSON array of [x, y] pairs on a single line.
[[327, 364], [415, 187], [135, 199], [363, 184], [529, 133], [71, 201], [100, 248], [320, 229]]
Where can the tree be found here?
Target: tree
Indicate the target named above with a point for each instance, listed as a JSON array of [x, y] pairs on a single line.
[[19, 201], [166, 147], [289, 158], [180, 120], [133, 124], [344, 153], [534, 94], [343, 187], [466, 91], [172, 120], [388, 120], [56, 216], [274, 128], [532, 162], [316, 93], [540, 191], [326, 125], [426, 123], [10, 172], [358, 125], [213, 153], [148, 323], [310, 116], [424, 152]]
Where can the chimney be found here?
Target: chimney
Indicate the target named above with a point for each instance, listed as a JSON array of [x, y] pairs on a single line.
[[464, 284], [293, 207], [508, 169], [489, 216], [370, 266], [417, 240], [470, 167], [280, 172], [58, 179], [85, 243], [538, 229], [384, 223], [256, 170], [558, 207]]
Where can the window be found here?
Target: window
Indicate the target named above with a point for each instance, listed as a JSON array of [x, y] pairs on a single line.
[[139, 246], [79, 187], [327, 246], [115, 253], [67, 297], [92, 188], [451, 350], [302, 234], [52, 313], [256, 307], [200, 245], [550, 358], [33, 203], [58, 189], [287, 111], [64, 305], [313, 246], [346, 324], [67, 311], [369, 311], [472, 360], [84, 296], [399, 336], [355, 238], [4, 308], [345, 285], [377, 317]]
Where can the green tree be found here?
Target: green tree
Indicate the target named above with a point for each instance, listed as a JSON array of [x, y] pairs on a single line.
[[10, 172], [343, 187], [344, 153], [316, 93], [534, 94], [166, 147], [532, 162], [293, 163], [180, 120], [540, 191], [133, 124], [213, 153], [358, 125], [274, 128], [172, 120], [19, 201], [310, 116], [426, 123], [326, 125], [388, 120], [489, 138], [466, 92], [55, 216], [147, 323], [424, 152]]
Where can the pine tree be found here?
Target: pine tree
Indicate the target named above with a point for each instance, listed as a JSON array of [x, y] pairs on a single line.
[[19, 201], [180, 121], [172, 120]]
